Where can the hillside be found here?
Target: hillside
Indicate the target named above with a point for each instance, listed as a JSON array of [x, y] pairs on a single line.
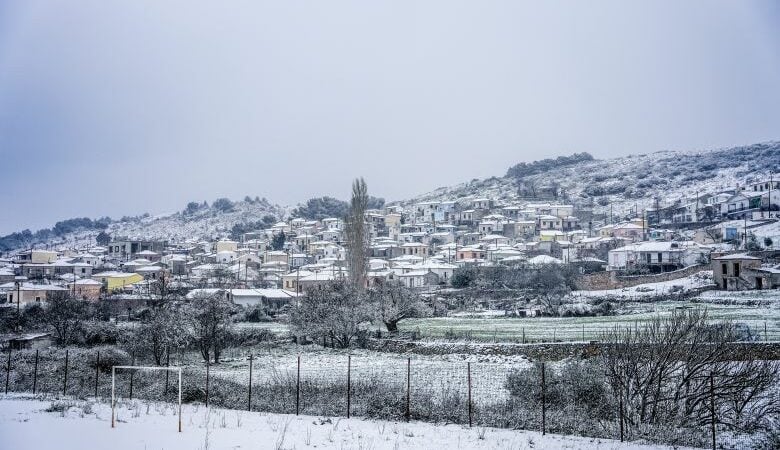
[[222, 218], [622, 183], [619, 183]]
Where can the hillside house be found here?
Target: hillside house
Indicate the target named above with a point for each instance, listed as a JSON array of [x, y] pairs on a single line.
[[87, 289], [270, 299], [128, 248], [419, 279], [732, 272], [26, 293], [414, 248], [656, 256], [629, 231], [117, 280]]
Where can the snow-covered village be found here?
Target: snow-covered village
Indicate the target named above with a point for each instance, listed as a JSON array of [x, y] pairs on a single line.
[[284, 226]]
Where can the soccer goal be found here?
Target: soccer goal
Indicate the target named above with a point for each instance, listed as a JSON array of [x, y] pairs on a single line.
[[113, 385]]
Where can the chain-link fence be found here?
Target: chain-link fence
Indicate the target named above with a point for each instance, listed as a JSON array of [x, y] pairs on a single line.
[[507, 395]]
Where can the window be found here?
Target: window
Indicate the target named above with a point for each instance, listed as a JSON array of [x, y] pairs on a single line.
[[724, 268], [660, 257], [736, 269]]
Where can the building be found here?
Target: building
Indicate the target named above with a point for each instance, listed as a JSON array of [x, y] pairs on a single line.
[[117, 280], [26, 293], [729, 272], [124, 248], [740, 271], [87, 289], [657, 256], [419, 279], [271, 299]]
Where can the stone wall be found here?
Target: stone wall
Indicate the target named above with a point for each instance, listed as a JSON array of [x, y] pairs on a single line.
[[612, 280], [553, 351]]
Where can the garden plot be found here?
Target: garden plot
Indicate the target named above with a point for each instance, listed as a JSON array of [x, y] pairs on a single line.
[[318, 366], [512, 329]]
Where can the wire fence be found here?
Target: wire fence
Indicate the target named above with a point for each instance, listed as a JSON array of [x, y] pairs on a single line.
[[554, 331], [506, 395]]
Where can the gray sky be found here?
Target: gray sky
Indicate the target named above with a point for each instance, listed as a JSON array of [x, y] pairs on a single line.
[[114, 108]]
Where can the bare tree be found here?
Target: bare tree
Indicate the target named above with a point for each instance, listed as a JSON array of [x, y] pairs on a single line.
[[332, 311], [357, 236], [66, 315], [662, 373], [209, 320], [163, 329], [393, 302]]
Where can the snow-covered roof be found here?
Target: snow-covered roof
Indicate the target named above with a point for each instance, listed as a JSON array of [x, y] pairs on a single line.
[[544, 259], [736, 256]]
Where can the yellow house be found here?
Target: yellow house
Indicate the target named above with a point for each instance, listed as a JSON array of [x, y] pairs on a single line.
[[117, 280], [226, 246], [551, 235]]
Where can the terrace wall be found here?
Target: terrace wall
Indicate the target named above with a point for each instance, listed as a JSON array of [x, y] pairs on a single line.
[[552, 351], [612, 280]]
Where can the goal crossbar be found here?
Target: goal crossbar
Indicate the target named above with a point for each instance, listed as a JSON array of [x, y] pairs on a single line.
[[113, 385]]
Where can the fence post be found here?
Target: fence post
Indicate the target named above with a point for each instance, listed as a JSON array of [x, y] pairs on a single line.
[[8, 368], [298, 388], [620, 403], [113, 390], [65, 379], [712, 408], [408, 386], [167, 364], [349, 394], [97, 372], [207, 383], [132, 373], [35, 372], [251, 363], [583, 332], [543, 401], [766, 336], [523, 335], [468, 370]]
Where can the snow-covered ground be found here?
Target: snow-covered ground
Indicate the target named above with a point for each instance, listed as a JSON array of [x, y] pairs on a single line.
[[36, 424]]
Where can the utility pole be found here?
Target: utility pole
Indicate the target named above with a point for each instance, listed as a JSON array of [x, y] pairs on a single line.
[[18, 306], [770, 194]]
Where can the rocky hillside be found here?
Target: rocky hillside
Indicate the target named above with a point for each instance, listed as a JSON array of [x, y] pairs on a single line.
[[622, 183], [222, 218], [619, 183]]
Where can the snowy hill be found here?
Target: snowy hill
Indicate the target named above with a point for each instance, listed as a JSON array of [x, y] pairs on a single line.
[[204, 223], [620, 184], [626, 182], [222, 218]]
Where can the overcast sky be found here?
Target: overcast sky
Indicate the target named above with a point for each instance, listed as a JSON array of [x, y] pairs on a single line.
[[115, 108]]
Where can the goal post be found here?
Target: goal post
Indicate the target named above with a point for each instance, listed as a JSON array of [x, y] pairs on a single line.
[[113, 385]]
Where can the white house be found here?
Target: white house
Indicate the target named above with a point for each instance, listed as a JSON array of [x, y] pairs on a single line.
[[657, 255]]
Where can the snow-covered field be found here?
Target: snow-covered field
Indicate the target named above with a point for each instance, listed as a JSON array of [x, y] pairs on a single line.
[[756, 309], [25, 424], [511, 329]]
